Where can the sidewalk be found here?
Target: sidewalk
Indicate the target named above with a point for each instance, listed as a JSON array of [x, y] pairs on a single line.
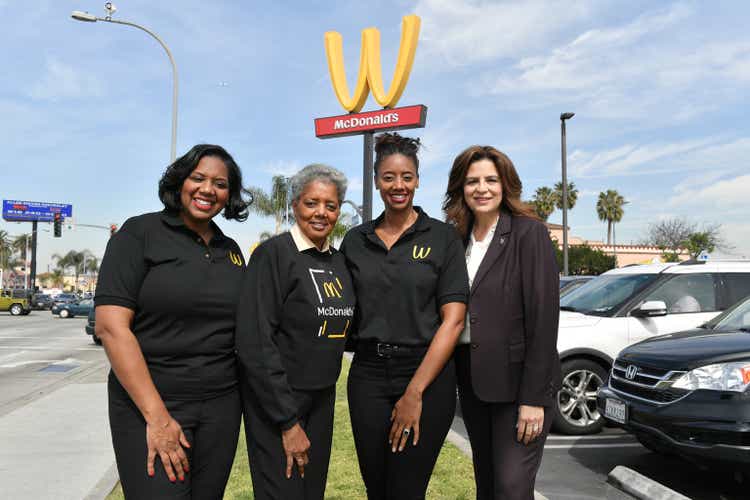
[[71, 459]]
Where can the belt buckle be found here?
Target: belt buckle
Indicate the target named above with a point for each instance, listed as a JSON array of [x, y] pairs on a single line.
[[384, 350]]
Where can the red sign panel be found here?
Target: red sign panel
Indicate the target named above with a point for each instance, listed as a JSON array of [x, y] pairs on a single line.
[[358, 123]]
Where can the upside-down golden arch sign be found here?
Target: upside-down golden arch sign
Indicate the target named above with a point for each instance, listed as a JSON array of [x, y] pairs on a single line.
[[370, 78]]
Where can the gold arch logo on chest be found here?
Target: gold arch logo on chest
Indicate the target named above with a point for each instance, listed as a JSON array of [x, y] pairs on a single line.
[[420, 253]]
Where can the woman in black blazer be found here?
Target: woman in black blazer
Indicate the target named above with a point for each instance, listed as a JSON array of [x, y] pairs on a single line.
[[507, 364]]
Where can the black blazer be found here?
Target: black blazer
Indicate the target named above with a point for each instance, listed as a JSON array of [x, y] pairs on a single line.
[[514, 309]]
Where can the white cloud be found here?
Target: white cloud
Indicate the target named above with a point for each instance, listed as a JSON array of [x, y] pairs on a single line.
[[464, 32], [723, 194], [281, 167], [62, 81]]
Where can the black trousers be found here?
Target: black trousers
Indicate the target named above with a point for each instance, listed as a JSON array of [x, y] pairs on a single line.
[[375, 385], [503, 468], [265, 450], [211, 426]]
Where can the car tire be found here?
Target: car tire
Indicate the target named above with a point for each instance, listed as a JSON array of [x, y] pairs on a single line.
[[97, 340], [26, 312], [575, 409], [16, 309], [64, 313]]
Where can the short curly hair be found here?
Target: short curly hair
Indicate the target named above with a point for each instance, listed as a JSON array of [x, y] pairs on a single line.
[[391, 143], [174, 176], [318, 172]]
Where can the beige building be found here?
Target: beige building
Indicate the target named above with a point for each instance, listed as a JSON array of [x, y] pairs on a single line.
[[624, 254]]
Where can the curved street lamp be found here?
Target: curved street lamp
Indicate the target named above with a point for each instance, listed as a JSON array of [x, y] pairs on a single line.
[[110, 8]]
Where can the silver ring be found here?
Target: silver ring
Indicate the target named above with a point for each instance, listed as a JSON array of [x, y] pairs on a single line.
[[406, 431]]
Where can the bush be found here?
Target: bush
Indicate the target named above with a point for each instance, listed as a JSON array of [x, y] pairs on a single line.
[[584, 260]]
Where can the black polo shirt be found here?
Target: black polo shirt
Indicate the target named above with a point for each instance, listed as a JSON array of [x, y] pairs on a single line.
[[400, 292], [184, 294], [294, 314]]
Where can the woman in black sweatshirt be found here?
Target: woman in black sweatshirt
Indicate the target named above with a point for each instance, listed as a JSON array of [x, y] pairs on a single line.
[[296, 308]]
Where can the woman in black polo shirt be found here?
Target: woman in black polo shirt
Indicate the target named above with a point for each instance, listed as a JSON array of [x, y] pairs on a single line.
[[295, 311], [165, 312], [410, 278]]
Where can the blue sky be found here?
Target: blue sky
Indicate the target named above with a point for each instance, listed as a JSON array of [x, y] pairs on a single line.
[[659, 91]]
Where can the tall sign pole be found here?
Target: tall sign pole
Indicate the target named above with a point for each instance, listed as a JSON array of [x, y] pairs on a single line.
[[33, 256], [370, 80]]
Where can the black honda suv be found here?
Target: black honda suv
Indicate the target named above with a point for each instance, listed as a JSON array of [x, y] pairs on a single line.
[[687, 393]]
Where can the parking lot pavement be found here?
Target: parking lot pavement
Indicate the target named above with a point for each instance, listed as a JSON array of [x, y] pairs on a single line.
[[53, 409], [576, 467]]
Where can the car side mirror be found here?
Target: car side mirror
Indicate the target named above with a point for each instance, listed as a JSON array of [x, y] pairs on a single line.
[[650, 309]]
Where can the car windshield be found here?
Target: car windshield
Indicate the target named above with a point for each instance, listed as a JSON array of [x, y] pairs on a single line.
[[736, 317], [602, 296]]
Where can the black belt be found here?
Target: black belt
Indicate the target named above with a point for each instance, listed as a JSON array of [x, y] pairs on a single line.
[[390, 350]]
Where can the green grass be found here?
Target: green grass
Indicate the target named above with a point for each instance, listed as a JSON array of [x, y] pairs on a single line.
[[453, 477]]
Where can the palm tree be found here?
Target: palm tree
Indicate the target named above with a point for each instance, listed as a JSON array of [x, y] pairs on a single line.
[[572, 195], [74, 260], [6, 250], [20, 243], [275, 203], [609, 208], [544, 202]]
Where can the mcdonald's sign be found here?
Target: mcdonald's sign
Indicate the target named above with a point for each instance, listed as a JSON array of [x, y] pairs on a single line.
[[370, 80]]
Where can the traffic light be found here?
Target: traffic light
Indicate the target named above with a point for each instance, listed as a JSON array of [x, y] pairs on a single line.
[[112, 229], [57, 225]]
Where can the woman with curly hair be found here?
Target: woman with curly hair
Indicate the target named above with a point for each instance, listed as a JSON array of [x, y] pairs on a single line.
[[165, 312]]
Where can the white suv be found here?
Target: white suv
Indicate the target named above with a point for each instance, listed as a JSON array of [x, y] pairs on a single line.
[[624, 306]]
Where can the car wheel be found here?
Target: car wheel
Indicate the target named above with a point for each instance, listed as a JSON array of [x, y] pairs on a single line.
[[575, 411], [97, 340], [64, 313], [27, 312], [654, 445], [16, 309]]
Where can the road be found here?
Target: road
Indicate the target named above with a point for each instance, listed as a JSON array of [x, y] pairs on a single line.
[[576, 467], [53, 409]]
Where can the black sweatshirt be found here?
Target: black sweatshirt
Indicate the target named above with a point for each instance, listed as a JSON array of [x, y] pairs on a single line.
[[295, 310]]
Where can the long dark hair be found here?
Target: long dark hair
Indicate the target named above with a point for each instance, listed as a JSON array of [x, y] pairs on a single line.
[[392, 143], [171, 181], [457, 212]]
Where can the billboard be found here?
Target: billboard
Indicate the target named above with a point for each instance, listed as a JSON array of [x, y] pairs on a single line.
[[16, 210]]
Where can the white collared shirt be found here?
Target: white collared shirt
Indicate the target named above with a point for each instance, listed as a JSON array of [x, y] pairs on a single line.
[[475, 252], [302, 242]]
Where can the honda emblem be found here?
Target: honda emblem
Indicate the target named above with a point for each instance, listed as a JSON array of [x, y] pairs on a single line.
[[631, 371]]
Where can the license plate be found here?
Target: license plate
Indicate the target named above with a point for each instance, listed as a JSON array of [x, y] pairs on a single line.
[[616, 410]]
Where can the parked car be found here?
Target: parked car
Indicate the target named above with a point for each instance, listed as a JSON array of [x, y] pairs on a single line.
[[80, 308], [65, 298], [624, 306], [41, 301], [687, 393], [90, 326], [570, 283], [16, 306]]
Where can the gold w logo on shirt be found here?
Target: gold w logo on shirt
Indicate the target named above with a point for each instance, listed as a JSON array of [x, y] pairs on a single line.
[[235, 258], [420, 253], [333, 289]]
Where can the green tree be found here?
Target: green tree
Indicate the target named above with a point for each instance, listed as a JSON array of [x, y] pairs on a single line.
[[544, 202], [609, 208], [584, 260], [20, 243], [77, 261], [572, 195], [6, 249], [275, 203], [699, 242]]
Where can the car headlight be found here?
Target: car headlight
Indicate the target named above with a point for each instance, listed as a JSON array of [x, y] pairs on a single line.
[[719, 377]]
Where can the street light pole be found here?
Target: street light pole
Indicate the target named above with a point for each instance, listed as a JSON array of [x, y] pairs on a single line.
[[563, 117], [86, 17]]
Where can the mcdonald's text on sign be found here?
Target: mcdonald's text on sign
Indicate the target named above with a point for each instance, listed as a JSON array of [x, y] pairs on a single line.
[[384, 119]]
